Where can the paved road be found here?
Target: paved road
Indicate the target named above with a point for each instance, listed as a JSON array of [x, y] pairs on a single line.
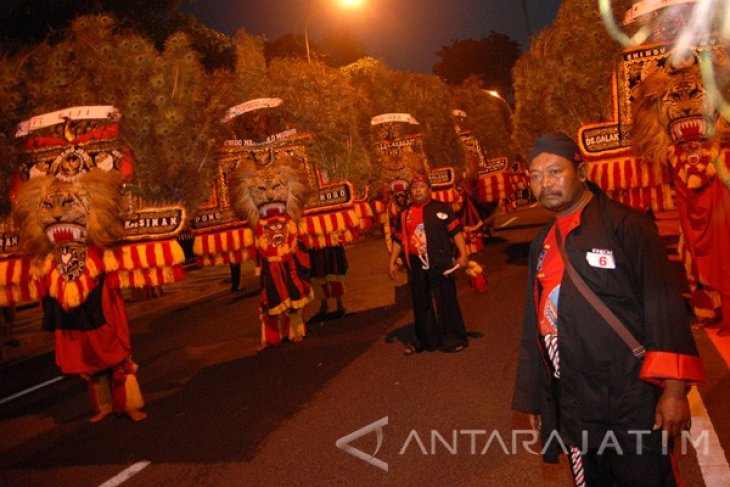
[[220, 414]]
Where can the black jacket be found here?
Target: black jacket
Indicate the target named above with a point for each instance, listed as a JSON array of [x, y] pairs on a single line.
[[599, 388], [440, 224]]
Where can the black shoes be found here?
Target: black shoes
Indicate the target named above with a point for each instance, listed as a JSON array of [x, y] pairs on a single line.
[[455, 349]]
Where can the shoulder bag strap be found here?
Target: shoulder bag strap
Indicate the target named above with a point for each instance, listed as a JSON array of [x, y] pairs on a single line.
[[613, 321]]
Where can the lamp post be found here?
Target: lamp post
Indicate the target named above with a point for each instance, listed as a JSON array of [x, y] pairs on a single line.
[[306, 38], [345, 4], [495, 94], [510, 114]]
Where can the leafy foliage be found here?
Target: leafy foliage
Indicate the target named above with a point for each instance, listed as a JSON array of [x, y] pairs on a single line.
[[379, 89], [289, 46], [490, 59], [34, 21], [564, 81], [341, 49], [489, 118], [172, 98], [336, 49], [319, 99], [170, 105]]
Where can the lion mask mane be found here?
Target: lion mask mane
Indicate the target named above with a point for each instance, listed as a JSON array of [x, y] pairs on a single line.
[[665, 101], [277, 188], [87, 209]]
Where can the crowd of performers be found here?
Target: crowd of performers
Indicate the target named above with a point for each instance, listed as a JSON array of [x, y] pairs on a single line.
[[75, 249]]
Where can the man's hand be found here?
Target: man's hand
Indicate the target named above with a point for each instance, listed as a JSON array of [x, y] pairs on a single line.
[[395, 251], [672, 411], [535, 421], [463, 258], [392, 270]]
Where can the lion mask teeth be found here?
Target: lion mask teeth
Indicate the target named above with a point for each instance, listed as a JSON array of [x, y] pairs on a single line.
[[276, 208], [66, 232], [687, 129]]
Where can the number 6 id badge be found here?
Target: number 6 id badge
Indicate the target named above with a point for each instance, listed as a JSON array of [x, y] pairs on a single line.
[[601, 258]]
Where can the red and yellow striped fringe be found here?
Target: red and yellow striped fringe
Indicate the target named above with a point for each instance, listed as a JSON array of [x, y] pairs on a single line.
[[146, 264], [494, 187], [227, 247], [16, 283], [329, 229]]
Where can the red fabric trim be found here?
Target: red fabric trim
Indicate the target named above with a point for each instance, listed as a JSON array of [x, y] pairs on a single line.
[[147, 277], [110, 131], [453, 225], [206, 247], [167, 254], [271, 333], [659, 366], [119, 390], [116, 314], [134, 256], [178, 272], [9, 277], [149, 253]]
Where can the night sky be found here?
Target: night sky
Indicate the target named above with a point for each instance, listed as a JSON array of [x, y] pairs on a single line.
[[405, 33]]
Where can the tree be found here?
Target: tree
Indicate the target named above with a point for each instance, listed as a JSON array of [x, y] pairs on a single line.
[[488, 117], [336, 49], [34, 21], [490, 58], [320, 100], [289, 46], [170, 105], [561, 83], [341, 48], [379, 89]]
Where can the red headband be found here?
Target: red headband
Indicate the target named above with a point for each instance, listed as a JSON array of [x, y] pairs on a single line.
[[420, 179]]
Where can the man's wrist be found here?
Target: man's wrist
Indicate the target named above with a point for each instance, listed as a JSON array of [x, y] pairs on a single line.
[[675, 387]]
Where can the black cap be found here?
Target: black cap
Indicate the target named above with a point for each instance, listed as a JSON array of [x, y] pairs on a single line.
[[556, 143]]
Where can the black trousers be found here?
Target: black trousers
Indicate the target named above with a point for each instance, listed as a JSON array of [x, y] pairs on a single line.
[[436, 312], [628, 470], [649, 468]]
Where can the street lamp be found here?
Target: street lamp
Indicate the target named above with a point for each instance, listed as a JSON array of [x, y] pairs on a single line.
[[495, 94], [345, 4]]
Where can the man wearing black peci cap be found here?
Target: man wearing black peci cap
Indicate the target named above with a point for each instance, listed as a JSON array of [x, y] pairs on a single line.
[[423, 235], [606, 354]]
